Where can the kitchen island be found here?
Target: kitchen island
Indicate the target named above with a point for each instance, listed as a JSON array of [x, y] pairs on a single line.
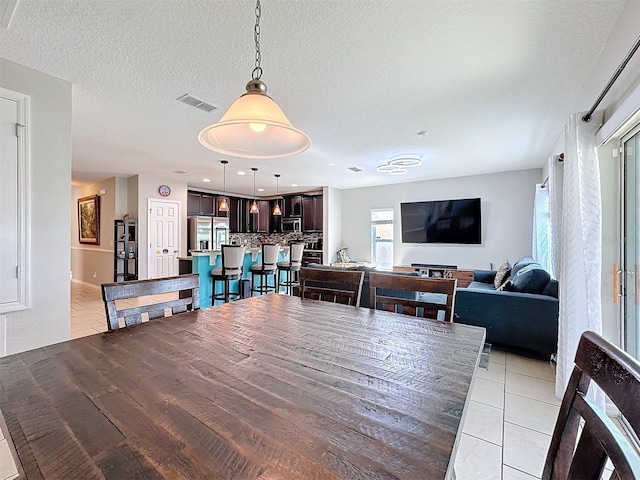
[[203, 261]]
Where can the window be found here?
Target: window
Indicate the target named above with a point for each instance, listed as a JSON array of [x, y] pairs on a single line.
[[14, 206], [382, 237]]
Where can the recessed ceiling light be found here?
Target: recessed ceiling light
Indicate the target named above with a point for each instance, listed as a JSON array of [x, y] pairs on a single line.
[[206, 179], [422, 133], [261, 189], [241, 172], [294, 184], [332, 164]]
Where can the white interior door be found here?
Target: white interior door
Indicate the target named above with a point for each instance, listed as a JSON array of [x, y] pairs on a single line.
[[164, 238]]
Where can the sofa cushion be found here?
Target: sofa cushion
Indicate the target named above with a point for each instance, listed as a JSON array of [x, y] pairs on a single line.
[[502, 274], [523, 262], [531, 278]]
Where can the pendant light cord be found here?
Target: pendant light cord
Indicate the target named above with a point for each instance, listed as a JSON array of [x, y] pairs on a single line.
[[257, 71]]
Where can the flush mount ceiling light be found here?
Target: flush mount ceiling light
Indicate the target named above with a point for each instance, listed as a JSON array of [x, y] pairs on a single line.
[[276, 208], [398, 165], [254, 126], [222, 206], [254, 206]]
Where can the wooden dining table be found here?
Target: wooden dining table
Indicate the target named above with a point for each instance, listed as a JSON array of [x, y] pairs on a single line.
[[270, 387]]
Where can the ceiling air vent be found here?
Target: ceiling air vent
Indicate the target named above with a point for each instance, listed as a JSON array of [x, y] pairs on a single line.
[[354, 169], [196, 102], [179, 172]]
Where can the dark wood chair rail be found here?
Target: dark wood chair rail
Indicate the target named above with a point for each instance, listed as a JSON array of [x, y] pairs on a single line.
[[618, 375], [338, 286], [266, 387], [386, 282], [188, 287]]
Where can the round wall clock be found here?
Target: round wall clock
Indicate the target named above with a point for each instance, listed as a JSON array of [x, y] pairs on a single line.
[[164, 190]]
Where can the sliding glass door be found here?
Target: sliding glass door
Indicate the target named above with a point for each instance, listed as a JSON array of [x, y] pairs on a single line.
[[631, 245]]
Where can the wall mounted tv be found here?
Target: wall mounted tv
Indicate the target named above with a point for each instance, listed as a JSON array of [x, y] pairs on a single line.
[[442, 221]]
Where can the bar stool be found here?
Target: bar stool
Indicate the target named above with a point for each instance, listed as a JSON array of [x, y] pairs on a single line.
[[265, 269], [232, 259], [292, 266]]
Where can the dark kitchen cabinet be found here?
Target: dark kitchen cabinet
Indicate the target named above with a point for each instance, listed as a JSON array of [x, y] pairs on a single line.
[[259, 222], [292, 206], [237, 215], [221, 213], [200, 203], [312, 213], [276, 220]]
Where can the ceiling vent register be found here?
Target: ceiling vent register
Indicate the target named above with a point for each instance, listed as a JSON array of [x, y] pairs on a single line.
[[196, 102]]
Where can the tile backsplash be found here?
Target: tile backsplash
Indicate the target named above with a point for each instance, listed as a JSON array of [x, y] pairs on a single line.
[[256, 239]]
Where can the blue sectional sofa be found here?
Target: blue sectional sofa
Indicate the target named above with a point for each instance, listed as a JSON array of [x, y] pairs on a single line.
[[524, 321]]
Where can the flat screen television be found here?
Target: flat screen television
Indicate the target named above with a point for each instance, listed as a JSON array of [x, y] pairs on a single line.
[[442, 221]]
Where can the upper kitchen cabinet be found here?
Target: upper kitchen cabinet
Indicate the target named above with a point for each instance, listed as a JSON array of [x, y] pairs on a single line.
[[259, 222], [200, 203], [219, 200], [276, 220], [312, 213], [237, 215], [292, 206]]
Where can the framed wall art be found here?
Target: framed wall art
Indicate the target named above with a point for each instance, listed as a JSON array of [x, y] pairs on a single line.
[[89, 219]]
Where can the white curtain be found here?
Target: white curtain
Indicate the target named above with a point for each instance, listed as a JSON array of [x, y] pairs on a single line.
[[556, 178], [579, 243], [541, 234]]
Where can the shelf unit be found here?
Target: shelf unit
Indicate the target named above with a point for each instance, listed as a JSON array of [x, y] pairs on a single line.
[[464, 277], [125, 251]]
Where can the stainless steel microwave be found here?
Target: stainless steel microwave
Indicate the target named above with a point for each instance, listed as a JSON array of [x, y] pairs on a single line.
[[291, 225]]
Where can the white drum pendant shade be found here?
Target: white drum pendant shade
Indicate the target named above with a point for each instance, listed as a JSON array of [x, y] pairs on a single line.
[[254, 127]]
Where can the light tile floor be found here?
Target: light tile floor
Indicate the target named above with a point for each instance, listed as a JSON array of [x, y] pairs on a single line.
[[506, 432]]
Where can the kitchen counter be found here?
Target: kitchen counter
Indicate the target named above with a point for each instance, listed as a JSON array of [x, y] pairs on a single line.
[[203, 261]]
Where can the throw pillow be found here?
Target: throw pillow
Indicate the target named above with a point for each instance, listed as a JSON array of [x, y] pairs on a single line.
[[530, 279], [507, 286], [502, 274], [523, 262]]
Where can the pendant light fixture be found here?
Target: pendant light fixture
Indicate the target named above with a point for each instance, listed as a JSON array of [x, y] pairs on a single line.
[[254, 205], [254, 126], [222, 206], [276, 208]]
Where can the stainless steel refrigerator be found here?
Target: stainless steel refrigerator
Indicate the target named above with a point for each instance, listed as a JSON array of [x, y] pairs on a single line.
[[207, 233]]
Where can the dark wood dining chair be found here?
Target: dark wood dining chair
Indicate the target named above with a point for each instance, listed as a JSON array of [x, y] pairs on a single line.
[[187, 286], [618, 375], [337, 286], [416, 296]]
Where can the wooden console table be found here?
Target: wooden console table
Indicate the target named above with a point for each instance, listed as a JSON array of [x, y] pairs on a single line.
[[464, 277]]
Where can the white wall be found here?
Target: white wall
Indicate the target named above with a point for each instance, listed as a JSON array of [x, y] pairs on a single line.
[[507, 218], [48, 320], [148, 188], [94, 263], [332, 223]]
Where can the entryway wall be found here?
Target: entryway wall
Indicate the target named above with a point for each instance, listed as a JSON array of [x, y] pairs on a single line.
[[94, 263]]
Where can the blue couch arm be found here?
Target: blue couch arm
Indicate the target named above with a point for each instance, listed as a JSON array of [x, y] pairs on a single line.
[[525, 321]]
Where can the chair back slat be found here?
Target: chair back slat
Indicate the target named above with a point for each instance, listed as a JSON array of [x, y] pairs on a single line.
[[331, 285], [618, 375], [187, 286], [431, 296]]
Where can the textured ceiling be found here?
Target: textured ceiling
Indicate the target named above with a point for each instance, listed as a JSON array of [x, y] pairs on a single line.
[[492, 82]]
